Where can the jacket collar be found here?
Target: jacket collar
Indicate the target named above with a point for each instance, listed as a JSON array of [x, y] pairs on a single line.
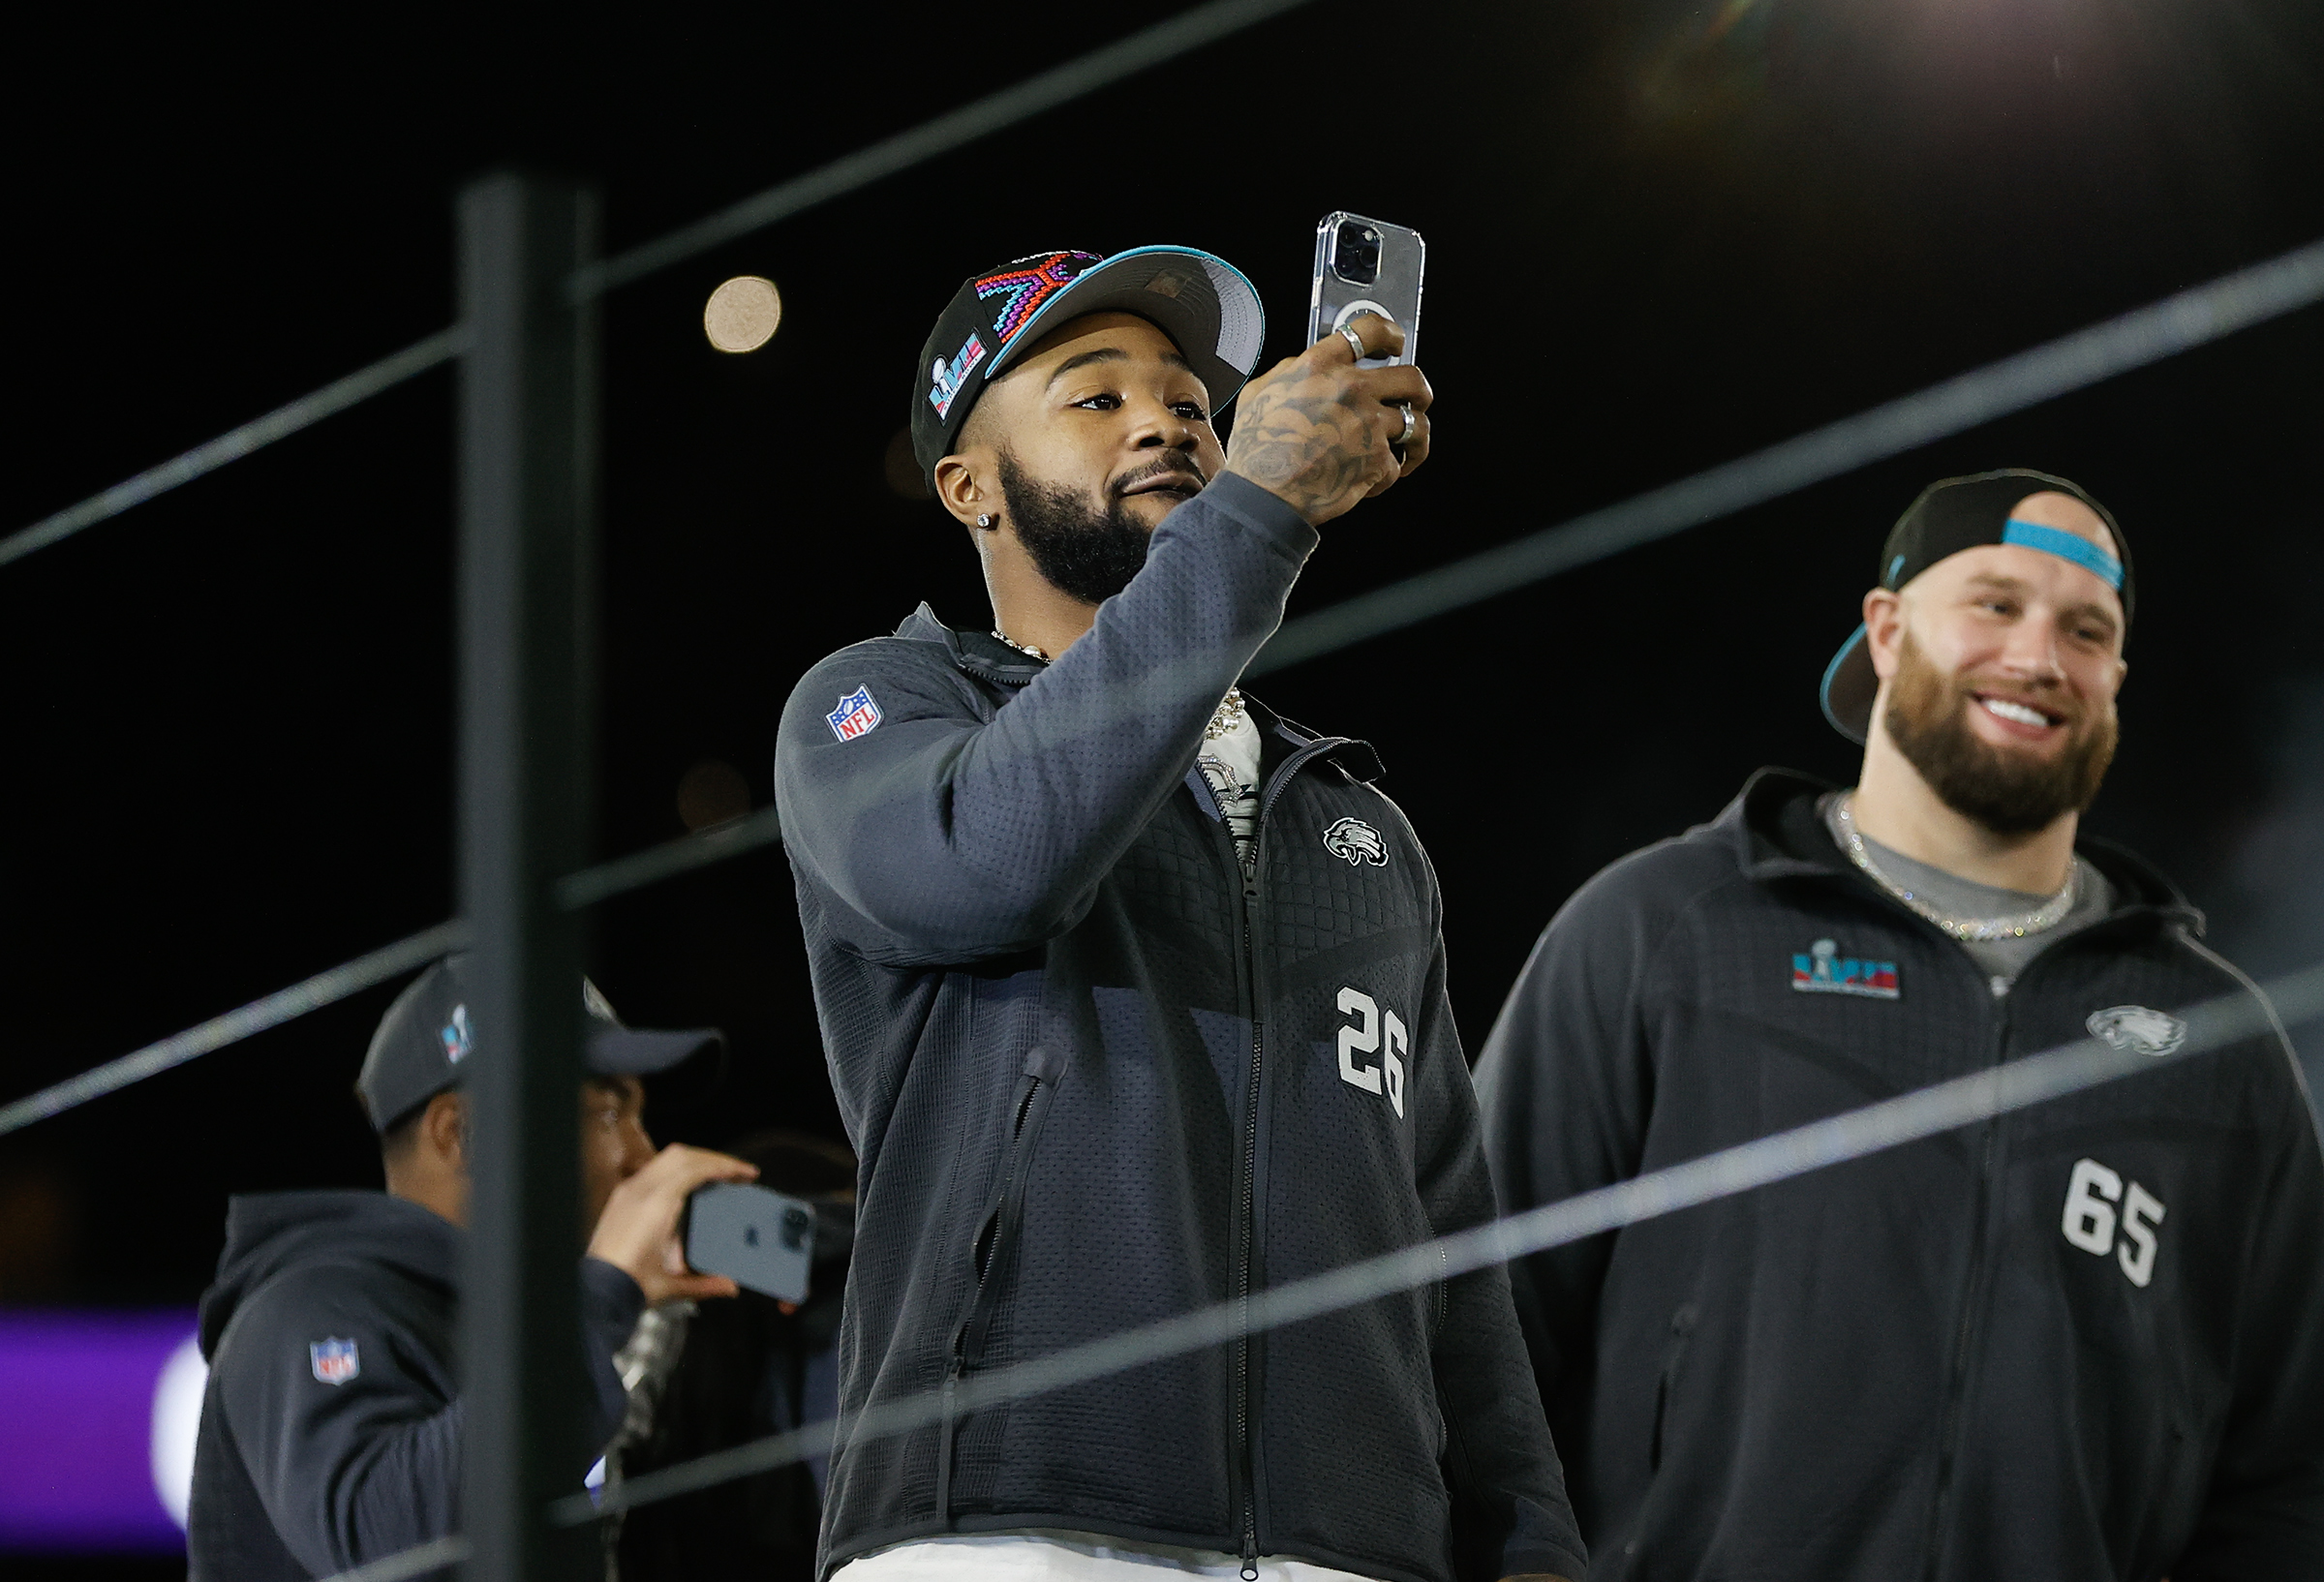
[[1776, 834], [980, 654]]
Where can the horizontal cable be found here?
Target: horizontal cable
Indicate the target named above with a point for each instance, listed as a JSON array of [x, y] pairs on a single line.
[[283, 1005], [1779, 1156], [259, 431], [1164, 41], [2145, 335]]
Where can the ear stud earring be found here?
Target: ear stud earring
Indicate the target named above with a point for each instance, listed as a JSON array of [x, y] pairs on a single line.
[[983, 521]]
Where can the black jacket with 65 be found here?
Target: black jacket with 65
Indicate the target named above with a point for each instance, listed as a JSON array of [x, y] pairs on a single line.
[[2082, 1341], [1095, 1080]]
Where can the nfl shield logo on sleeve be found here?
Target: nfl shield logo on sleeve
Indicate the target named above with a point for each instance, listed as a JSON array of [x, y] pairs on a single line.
[[855, 715], [335, 1361]]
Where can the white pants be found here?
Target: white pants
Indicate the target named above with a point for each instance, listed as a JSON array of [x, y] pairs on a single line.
[[1063, 1557]]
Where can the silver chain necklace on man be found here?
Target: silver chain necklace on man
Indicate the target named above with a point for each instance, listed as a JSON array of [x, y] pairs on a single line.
[[1227, 718], [1976, 930], [1022, 648]]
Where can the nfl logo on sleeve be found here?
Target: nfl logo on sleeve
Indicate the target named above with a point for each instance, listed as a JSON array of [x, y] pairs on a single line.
[[335, 1361], [856, 715]]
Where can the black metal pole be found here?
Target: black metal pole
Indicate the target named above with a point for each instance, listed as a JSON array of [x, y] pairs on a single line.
[[526, 457]]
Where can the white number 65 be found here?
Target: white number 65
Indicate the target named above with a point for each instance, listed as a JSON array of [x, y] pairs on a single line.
[[2089, 1218]]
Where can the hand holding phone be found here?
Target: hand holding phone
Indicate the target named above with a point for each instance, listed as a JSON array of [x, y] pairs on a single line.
[[638, 1231], [1348, 416], [1367, 266], [753, 1237]]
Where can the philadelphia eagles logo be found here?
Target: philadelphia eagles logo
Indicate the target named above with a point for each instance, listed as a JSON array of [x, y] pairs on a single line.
[[1356, 842], [2135, 1027]]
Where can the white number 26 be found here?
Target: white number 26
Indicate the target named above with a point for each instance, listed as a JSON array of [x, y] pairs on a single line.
[[1365, 1038], [2090, 1218]]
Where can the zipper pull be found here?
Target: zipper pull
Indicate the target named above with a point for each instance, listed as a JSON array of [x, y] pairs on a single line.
[[1250, 1555]]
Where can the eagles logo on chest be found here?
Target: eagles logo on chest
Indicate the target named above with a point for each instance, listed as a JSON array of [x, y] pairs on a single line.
[[1355, 842]]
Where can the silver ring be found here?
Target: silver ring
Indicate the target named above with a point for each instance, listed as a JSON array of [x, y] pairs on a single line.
[[1412, 422], [1348, 333]]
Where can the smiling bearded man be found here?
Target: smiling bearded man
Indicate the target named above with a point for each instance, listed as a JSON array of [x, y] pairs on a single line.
[[1133, 992], [2077, 1342]]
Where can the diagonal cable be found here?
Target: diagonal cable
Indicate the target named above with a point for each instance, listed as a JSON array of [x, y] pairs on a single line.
[[1778, 1156], [236, 443], [2177, 323], [2192, 317], [1101, 68], [283, 1005], [575, 893], [995, 113]]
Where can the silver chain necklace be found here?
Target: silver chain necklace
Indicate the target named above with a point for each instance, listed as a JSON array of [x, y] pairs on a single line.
[[1975, 931], [1227, 718], [1022, 648]]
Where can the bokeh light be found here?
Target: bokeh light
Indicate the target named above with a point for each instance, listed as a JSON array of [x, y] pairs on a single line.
[[741, 314]]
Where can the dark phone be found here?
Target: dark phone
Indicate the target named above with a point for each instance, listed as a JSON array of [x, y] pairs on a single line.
[[753, 1237]]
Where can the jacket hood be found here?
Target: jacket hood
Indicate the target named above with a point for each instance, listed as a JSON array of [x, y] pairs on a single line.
[[270, 1232], [1777, 833]]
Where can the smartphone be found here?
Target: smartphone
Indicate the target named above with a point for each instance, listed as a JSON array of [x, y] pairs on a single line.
[[1367, 267], [755, 1237]]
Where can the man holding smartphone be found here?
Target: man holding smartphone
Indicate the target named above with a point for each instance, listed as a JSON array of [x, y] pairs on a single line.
[[2082, 1342], [1133, 991], [331, 1423]]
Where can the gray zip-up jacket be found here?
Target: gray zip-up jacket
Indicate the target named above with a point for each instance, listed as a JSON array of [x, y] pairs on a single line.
[[330, 1426], [1096, 1079], [2084, 1341]]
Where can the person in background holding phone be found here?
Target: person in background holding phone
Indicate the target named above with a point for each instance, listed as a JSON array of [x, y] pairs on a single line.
[[2084, 1341], [1133, 992], [710, 1376], [331, 1423]]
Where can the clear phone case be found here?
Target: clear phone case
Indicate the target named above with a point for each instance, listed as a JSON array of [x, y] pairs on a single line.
[[1364, 265]]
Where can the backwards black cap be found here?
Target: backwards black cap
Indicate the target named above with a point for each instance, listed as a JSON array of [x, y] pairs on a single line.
[[1950, 516], [427, 1033], [1202, 302]]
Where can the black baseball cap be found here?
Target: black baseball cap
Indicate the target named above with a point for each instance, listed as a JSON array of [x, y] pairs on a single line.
[[1201, 301], [1952, 515], [427, 1033]]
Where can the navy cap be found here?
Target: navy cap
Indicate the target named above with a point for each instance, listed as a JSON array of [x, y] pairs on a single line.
[[1211, 312], [1952, 515], [427, 1034]]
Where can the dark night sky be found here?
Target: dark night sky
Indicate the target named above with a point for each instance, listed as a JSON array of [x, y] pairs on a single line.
[[1662, 235]]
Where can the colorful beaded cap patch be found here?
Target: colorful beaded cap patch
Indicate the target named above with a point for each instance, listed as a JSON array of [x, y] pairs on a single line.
[[1027, 284]]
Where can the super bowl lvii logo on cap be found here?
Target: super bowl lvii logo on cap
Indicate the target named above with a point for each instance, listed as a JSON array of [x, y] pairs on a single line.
[[945, 379], [457, 1041]]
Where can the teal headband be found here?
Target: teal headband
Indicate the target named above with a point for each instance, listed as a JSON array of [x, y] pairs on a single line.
[[2067, 546]]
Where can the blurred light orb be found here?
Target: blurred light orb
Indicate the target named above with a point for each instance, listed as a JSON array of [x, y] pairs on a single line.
[[711, 792], [741, 314]]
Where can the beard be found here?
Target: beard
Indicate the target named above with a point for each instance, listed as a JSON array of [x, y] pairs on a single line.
[[1081, 550], [2010, 793]]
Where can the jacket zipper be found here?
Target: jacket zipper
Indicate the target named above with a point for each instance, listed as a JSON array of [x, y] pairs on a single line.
[[1965, 1331], [958, 1370], [1246, 1230]]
